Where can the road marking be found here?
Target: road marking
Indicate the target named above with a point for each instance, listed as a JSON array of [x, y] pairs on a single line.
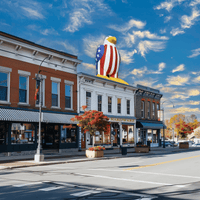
[[176, 175], [85, 193], [51, 188], [27, 184], [161, 163], [124, 179]]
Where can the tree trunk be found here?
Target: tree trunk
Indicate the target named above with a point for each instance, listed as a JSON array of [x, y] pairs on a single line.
[[93, 140]]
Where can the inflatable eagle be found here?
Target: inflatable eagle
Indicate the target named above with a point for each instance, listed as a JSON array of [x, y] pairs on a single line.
[[108, 60]]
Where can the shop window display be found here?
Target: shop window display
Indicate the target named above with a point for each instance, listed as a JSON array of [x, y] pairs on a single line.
[[155, 136], [127, 134], [68, 135], [3, 133], [22, 133]]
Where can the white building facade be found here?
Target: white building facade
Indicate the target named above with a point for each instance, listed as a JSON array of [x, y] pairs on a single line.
[[116, 101]]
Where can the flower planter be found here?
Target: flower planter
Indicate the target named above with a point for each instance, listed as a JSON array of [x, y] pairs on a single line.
[[94, 154], [183, 145], [141, 149]]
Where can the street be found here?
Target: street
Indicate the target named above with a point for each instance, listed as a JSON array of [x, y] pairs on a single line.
[[169, 176]]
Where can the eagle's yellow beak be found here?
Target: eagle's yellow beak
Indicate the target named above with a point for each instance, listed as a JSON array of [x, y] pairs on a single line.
[[112, 40]]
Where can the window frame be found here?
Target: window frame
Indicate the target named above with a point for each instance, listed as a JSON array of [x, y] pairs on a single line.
[[142, 109], [8, 72], [56, 80], [120, 106], [70, 83], [149, 110], [88, 98], [153, 110], [128, 108], [110, 104], [99, 103]]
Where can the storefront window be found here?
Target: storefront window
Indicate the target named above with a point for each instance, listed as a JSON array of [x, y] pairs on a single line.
[[22, 133], [3, 133], [127, 134], [149, 131], [155, 136], [68, 135]]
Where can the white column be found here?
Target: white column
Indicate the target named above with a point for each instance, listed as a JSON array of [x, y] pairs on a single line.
[[79, 147], [120, 133], [135, 134]]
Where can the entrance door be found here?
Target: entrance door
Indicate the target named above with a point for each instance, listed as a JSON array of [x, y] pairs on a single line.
[[50, 138]]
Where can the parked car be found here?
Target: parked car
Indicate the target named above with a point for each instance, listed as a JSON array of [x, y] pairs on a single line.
[[167, 144], [196, 145]]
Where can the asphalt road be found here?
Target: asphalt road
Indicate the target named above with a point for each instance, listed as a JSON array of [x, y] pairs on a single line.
[[172, 176]]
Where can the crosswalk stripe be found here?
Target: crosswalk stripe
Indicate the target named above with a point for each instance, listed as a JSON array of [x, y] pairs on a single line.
[[27, 184], [51, 188], [85, 193]]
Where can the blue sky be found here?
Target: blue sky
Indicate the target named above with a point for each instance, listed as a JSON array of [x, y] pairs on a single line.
[[158, 40]]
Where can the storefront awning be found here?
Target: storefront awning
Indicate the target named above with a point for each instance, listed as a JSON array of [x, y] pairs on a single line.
[[31, 116], [147, 125]]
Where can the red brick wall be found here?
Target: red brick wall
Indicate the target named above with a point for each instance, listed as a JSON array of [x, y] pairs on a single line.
[[33, 69]]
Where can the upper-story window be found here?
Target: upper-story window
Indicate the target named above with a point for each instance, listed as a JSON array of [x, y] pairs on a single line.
[[99, 102], [128, 107], [23, 89], [109, 104], [55, 92], [158, 107], [68, 94], [119, 105], [148, 109], [5, 84], [88, 100], [23, 86], [153, 110], [142, 109]]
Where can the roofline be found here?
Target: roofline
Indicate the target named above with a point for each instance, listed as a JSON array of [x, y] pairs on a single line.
[[106, 80], [37, 45]]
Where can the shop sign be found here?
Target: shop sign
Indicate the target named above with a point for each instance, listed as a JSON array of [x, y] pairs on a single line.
[[122, 120]]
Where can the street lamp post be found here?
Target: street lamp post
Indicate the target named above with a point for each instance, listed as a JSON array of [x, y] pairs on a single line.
[[162, 111], [39, 156]]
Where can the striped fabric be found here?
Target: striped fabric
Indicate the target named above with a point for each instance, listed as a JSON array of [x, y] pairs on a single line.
[[109, 62]]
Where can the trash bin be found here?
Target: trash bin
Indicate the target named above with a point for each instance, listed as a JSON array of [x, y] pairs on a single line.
[[148, 144], [124, 150]]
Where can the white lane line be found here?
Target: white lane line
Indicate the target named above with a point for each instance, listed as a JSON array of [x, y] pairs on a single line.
[[175, 175], [51, 188], [85, 193], [124, 179], [27, 184]]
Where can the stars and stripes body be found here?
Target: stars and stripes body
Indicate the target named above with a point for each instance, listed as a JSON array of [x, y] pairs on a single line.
[[107, 59]]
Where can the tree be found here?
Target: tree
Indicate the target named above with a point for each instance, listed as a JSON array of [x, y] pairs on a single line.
[[92, 121]]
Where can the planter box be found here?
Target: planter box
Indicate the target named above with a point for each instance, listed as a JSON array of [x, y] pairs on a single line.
[[183, 145], [94, 154], [141, 149]]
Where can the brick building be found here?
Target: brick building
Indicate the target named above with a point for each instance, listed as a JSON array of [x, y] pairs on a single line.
[[147, 105], [20, 62]]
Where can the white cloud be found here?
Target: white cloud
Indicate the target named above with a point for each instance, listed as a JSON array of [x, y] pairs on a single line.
[[197, 79], [147, 34], [127, 56], [179, 96], [177, 80], [188, 103], [195, 2], [129, 39], [188, 21], [168, 5], [147, 82], [167, 19], [145, 46], [161, 66], [70, 48], [82, 12], [91, 44], [89, 66], [32, 13], [50, 31], [193, 92], [179, 68], [176, 31], [184, 110], [139, 72], [195, 52], [162, 31], [132, 23]]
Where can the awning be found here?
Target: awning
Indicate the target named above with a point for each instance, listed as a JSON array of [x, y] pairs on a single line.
[[31, 116], [147, 125]]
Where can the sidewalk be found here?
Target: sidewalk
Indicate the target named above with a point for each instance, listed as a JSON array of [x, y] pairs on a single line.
[[10, 162]]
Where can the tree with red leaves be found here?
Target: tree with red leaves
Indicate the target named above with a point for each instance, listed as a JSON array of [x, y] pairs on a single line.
[[92, 121]]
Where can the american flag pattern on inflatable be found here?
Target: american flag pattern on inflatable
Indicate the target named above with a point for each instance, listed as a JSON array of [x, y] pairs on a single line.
[[107, 60]]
